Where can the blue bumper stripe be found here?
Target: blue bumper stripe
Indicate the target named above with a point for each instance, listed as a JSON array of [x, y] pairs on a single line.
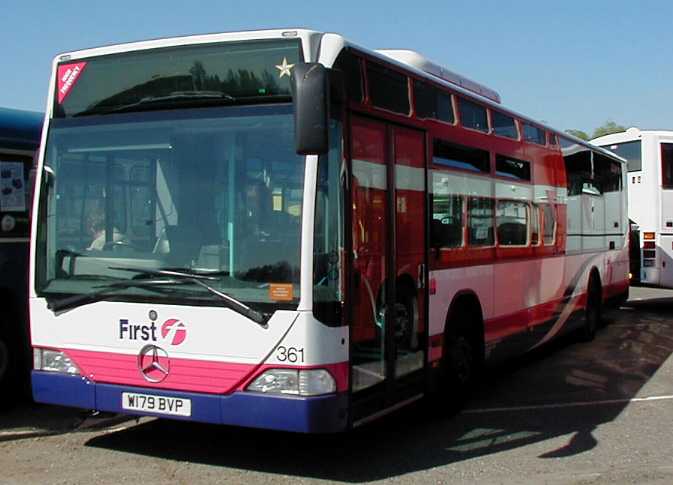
[[321, 414]]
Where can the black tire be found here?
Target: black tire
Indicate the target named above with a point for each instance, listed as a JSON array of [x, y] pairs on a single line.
[[460, 362], [7, 373], [593, 311]]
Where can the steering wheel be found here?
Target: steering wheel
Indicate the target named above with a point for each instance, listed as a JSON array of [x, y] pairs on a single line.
[[113, 245]]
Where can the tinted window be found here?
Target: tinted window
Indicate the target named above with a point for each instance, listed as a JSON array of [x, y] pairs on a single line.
[[447, 221], [512, 217], [352, 72], [459, 156], [504, 125], [667, 165], [473, 115], [533, 134], [480, 230], [577, 159], [388, 89], [432, 103], [512, 168], [631, 151], [177, 76], [607, 174]]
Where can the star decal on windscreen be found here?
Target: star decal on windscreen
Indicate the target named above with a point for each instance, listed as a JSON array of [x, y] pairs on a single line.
[[284, 68]]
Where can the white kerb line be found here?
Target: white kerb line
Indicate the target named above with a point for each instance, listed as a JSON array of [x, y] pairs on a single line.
[[567, 405]]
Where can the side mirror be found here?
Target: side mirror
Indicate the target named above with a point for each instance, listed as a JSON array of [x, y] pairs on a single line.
[[310, 94]]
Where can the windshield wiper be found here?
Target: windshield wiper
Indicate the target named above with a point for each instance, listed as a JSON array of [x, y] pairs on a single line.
[[169, 99], [105, 290], [177, 272], [197, 278]]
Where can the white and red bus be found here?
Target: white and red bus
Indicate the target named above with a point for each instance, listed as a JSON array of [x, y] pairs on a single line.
[[281, 229], [649, 155]]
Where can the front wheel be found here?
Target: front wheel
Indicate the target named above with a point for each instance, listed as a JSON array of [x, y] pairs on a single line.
[[6, 373]]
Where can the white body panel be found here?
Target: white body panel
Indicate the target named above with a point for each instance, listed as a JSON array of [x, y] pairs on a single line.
[[649, 205]]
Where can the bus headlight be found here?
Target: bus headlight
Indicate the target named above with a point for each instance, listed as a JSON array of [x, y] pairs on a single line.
[[53, 361], [304, 382]]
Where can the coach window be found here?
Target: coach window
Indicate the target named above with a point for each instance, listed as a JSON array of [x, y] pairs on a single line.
[[461, 157], [577, 160], [549, 224], [535, 225], [447, 215], [480, 229], [632, 151], [607, 174], [388, 89], [512, 168], [504, 125], [512, 219], [431, 103], [473, 115], [351, 68], [533, 134], [667, 165]]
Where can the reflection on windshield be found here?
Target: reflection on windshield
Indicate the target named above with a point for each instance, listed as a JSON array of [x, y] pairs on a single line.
[[205, 190]]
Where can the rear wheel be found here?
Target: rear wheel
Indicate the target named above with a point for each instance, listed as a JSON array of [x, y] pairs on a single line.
[[460, 361], [593, 311]]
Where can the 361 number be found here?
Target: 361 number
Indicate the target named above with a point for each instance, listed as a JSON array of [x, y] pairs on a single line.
[[289, 354]]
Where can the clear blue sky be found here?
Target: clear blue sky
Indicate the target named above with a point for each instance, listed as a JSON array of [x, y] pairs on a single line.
[[573, 64]]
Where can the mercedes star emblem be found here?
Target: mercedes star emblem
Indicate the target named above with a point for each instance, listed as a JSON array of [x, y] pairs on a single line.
[[153, 363]]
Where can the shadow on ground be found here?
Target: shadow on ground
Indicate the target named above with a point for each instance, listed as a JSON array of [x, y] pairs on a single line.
[[25, 420], [557, 383]]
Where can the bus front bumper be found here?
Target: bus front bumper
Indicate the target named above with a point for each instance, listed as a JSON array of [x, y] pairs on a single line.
[[320, 414]]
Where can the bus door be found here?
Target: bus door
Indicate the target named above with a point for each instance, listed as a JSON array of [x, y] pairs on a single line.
[[388, 238]]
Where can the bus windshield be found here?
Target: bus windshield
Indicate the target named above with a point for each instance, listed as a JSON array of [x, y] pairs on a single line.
[[204, 191]]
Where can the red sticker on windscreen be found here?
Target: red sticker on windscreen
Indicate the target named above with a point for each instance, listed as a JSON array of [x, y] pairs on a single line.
[[67, 77]]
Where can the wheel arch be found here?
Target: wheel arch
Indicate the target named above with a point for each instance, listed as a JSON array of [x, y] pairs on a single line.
[[467, 300]]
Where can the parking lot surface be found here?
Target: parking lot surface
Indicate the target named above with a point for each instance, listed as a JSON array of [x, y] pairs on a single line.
[[598, 412]]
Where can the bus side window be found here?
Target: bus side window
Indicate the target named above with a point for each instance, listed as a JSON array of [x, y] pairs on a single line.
[[512, 220], [535, 225], [480, 229], [667, 165], [447, 221], [549, 224]]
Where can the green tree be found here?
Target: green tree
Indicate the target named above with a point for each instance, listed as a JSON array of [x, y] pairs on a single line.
[[579, 134], [608, 128]]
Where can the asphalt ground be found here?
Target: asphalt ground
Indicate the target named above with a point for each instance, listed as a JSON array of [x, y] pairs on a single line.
[[584, 413]]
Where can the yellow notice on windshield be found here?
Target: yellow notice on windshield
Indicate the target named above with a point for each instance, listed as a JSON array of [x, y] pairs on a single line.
[[281, 292]]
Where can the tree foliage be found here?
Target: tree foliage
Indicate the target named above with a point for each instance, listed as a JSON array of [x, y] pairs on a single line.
[[608, 128], [579, 134]]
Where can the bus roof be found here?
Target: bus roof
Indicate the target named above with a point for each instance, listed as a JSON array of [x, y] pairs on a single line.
[[20, 130], [632, 134], [313, 43]]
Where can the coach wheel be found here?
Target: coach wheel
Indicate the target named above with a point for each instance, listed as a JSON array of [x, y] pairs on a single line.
[[458, 367], [592, 314]]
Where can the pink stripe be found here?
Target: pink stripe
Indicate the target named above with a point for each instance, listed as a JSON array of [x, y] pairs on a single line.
[[185, 374]]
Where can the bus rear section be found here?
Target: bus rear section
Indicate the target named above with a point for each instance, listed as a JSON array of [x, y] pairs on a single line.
[[19, 139], [649, 155], [168, 277]]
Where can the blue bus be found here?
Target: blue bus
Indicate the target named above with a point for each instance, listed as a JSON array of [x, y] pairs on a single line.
[[19, 139]]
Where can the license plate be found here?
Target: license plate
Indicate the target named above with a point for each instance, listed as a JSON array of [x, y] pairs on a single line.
[[175, 406]]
